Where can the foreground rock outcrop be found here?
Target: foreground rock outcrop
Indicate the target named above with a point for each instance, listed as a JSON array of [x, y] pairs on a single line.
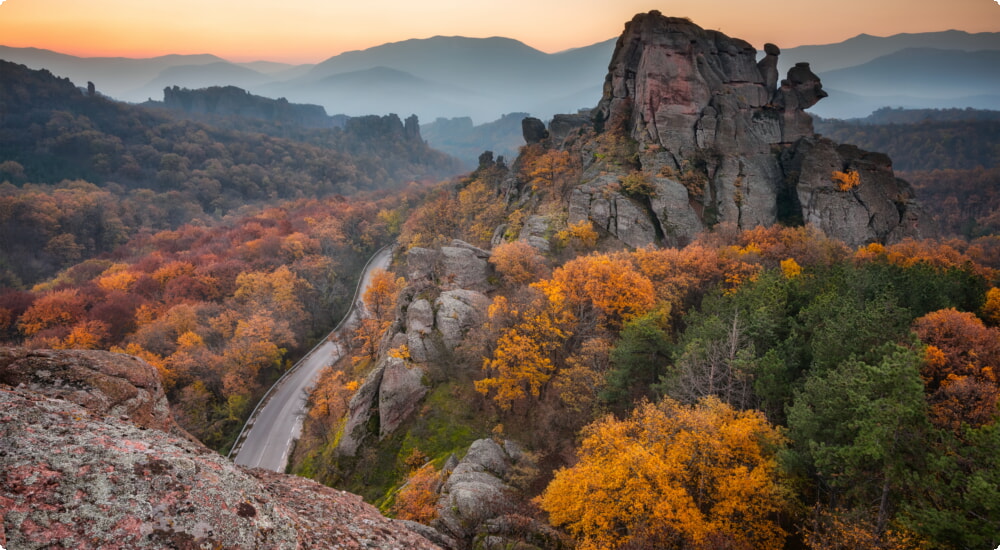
[[718, 138], [87, 460]]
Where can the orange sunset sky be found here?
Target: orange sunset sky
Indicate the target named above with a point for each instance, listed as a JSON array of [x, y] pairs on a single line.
[[309, 31]]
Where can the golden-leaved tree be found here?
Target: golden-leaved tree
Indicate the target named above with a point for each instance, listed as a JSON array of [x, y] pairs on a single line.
[[673, 476]]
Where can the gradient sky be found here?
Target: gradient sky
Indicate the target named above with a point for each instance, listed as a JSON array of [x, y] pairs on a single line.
[[309, 31]]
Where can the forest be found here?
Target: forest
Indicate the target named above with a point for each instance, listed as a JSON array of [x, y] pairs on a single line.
[[82, 174], [760, 388], [766, 388]]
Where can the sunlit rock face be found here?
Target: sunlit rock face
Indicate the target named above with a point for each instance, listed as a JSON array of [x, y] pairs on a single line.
[[723, 140]]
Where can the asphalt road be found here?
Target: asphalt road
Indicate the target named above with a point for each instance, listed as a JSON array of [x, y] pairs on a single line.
[[279, 422]]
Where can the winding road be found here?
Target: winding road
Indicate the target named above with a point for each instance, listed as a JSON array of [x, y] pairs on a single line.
[[277, 420]]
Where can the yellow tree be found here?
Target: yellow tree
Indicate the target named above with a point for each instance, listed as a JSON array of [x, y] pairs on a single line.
[[380, 301], [672, 476], [524, 360], [380, 296], [518, 263], [551, 170], [604, 288]]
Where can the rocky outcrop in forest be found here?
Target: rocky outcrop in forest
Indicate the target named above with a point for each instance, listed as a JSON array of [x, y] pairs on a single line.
[[718, 139], [90, 458], [230, 100]]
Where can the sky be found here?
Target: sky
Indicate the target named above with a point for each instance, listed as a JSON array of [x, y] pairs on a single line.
[[310, 31]]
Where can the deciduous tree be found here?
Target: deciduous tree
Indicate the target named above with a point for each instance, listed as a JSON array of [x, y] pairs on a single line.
[[673, 476]]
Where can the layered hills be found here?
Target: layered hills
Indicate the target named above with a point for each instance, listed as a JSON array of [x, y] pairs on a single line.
[[485, 78]]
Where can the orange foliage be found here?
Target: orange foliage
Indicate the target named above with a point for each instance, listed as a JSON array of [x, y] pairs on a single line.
[[86, 335], [943, 254], [606, 289], [991, 308], [960, 368], [380, 296], [523, 361], [59, 308], [672, 476], [518, 263], [831, 531], [580, 234], [550, 171], [417, 500], [845, 181]]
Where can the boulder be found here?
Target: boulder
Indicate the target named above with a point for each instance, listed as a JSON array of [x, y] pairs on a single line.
[[475, 491], [85, 466], [717, 136], [535, 232], [360, 410], [115, 385], [464, 267], [533, 130], [419, 330], [458, 311], [878, 209], [421, 264], [768, 67], [399, 394]]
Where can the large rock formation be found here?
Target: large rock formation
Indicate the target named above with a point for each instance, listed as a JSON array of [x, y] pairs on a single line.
[[721, 141], [87, 460], [230, 100]]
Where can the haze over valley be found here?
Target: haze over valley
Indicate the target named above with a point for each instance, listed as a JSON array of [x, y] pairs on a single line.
[[286, 277]]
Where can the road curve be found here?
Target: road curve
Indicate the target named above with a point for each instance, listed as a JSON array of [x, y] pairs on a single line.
[[278, 422]]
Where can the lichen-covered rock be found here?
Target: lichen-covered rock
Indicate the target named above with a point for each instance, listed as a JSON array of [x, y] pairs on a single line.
[[75, 477], [110, 384]]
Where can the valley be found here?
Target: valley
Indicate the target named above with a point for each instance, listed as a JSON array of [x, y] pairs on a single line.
[[663, 291]]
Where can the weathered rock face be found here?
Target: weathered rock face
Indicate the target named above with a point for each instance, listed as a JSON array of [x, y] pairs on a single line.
[[74, 473], [458, 311], [459, 265], [713, 129], [477, 505], [121, 386], [442, 302]]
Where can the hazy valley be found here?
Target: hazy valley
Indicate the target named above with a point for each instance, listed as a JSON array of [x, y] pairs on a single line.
[[662, 291]]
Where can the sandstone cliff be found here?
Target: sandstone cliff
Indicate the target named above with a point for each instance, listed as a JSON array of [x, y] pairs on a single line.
[[89, 458], [719, 139]]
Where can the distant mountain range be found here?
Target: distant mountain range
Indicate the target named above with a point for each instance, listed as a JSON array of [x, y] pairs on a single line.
[[484, 78]]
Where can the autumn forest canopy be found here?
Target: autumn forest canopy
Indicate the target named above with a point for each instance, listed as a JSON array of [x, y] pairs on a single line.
[[765, 387]]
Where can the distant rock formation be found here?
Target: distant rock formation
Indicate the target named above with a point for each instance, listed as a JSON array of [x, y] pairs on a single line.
[[722, 142], [89, 458], [371, 127], [230, 100]]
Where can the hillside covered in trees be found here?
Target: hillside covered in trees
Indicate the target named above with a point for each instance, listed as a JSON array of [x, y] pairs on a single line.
[[81, 174], [652, 329], [556, 374]]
